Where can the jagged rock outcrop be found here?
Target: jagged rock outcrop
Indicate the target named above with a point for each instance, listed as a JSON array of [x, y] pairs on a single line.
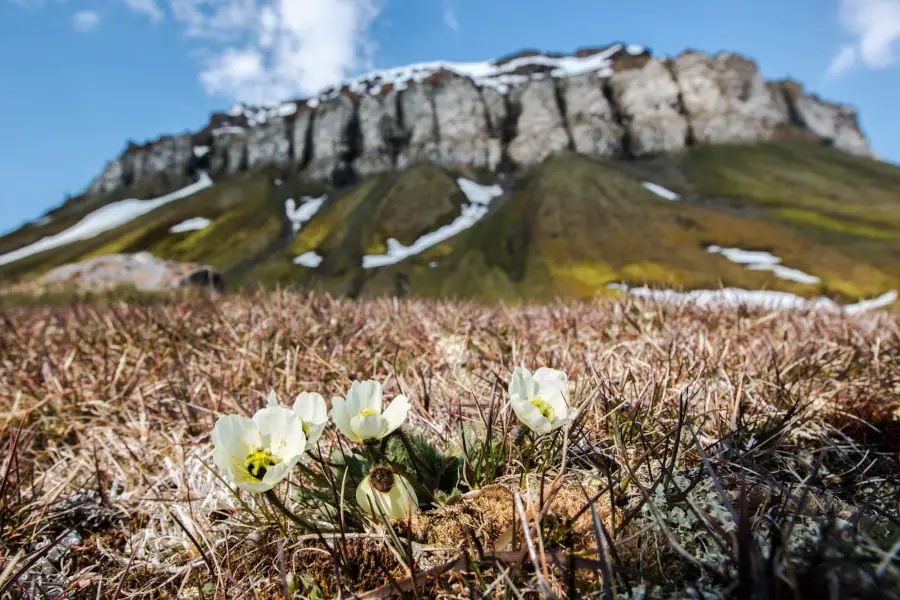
[[648, 100], [229, 151], [591, 118], [727, 98], [381, 133], [417, 107], [614, 100], [331, 136], [464, 125], [835, 123], [541, 127]]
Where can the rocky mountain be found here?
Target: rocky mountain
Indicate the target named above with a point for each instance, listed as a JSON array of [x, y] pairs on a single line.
[[615, 101], [537, 174]]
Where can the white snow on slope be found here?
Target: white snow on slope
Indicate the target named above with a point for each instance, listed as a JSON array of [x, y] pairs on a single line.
[[309, 259], [734, 297], [103, 219], [660, 191], [480, 197], [194, 224], [757, 260], [201, 151], [298, 215]]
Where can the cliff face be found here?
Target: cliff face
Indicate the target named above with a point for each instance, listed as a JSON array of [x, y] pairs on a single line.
[[614, 101]]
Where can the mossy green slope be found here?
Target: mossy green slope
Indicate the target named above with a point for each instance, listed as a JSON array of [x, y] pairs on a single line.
[[567, 227]]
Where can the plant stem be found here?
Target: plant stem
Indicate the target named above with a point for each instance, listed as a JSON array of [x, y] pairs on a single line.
[[275, 501]]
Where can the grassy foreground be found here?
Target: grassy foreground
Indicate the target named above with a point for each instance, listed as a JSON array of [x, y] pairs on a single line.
[[730, 454]]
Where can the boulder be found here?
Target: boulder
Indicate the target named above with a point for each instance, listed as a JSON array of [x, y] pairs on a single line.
[[142, 271]]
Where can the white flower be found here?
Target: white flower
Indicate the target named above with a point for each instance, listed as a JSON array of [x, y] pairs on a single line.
[[257, 453], [310, 408], [360, 417], [539, 400], [388, 490]]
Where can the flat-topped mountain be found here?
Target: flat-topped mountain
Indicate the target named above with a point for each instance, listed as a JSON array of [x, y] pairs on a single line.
[[534, 175]]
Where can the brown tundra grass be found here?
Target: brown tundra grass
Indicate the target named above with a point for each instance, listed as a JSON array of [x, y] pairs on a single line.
[[718, 454]]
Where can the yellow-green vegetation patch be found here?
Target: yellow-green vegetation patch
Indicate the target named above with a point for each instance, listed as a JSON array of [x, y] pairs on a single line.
[[843, 225]]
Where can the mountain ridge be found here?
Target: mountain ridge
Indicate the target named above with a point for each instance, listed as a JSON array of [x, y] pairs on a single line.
[[616, 100]]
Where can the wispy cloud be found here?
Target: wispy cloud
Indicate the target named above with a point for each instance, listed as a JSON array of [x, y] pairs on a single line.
[[258, 51], [261, 51], [151, 8], [450, 18], [875, 28], [84, 21]]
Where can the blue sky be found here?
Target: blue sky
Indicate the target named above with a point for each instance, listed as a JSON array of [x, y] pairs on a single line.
[[81, 77]]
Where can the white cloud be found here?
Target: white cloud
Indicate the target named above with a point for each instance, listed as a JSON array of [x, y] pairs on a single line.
[[262, 51], [148, 7], [283, 48], [85, 20], [875, 27], [450, 18]]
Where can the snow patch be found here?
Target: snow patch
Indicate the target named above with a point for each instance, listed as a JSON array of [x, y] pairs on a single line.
[[298, 215], [634, 49], [309, 259], [660, 191], [194, 224], [228, 130], [734, 297], [259, 115], [45, 220], [201, 151], [103, 219], [480, 197], [758, 260], [483, 73]]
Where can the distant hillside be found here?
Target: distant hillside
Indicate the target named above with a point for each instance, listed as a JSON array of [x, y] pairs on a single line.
[[533, 176]]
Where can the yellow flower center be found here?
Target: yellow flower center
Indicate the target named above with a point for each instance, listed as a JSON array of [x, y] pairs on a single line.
[[259, 462], [543, 406], [305, 428], [367, 412]]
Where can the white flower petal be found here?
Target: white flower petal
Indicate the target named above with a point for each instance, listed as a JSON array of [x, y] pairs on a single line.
[[402, 498], [395, 413], [368, 427], [549, 381], [341, 418], [279, 471], [364, 394], [521, 383], [273, 399], [281, 431], [310, 407], [253, 485], [396, 504], [531, 416], [365, 492], [235, 436]]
